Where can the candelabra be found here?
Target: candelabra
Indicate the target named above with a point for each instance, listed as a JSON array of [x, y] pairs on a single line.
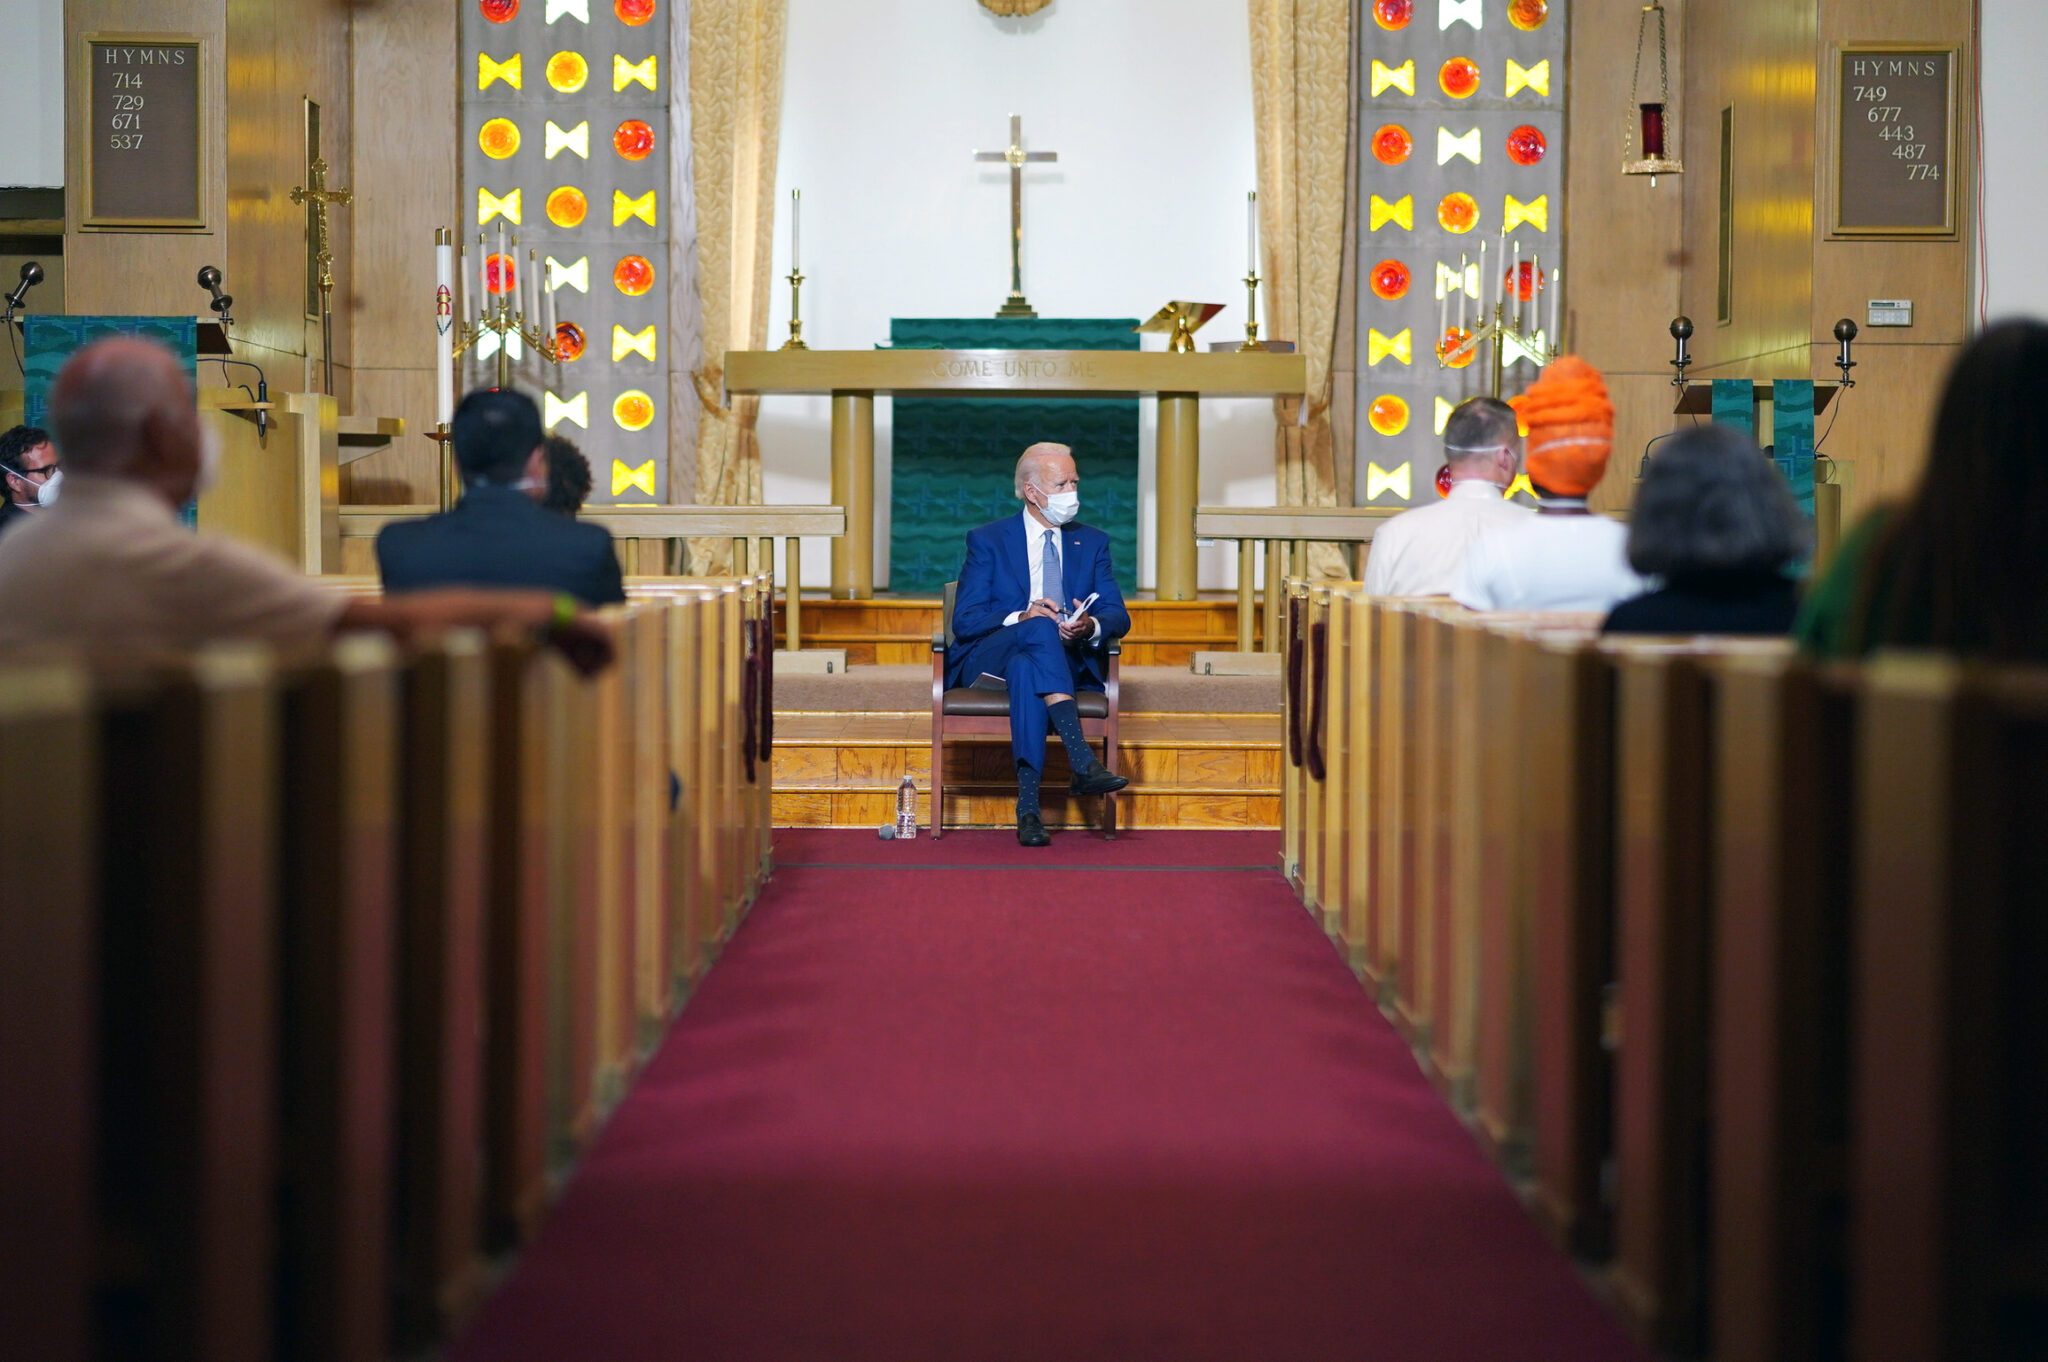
[[503, 313], [1513, 330]]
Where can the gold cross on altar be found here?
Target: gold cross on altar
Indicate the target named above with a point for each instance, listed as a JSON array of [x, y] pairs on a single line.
[[316, 193], [1015, 306]]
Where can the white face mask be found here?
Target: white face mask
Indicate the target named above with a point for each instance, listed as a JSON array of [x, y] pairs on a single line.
[[46, 495], [1061, 507]]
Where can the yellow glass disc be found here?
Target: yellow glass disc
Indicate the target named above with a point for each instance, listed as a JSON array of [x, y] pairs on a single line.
[[499, 138], [1457, 213], [567, 71], [633, 410], [566, 207]]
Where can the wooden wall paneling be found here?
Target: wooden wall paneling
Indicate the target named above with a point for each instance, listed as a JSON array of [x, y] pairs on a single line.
[[406, 126], [1663, 956], [1568, 859], [49, 993], [446, 765], [1783, 752], [338, 871]]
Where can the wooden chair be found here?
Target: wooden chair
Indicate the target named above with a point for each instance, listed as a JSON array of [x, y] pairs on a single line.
[[963, 710]]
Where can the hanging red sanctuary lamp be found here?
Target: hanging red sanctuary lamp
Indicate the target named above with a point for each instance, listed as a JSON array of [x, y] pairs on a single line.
[[1651, 118]]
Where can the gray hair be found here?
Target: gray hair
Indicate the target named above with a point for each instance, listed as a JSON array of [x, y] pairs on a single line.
[[1032, 462], [104, 397], [1478, 426], [1711, 501]]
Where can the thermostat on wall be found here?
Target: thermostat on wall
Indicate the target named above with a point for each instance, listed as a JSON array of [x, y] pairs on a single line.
[[1891, 312]]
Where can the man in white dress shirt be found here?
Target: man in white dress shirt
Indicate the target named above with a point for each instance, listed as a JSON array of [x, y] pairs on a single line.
[[1420, 552]]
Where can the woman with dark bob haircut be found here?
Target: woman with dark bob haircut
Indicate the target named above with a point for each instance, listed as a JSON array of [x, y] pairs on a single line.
[[1716, 523], [1963, 566]]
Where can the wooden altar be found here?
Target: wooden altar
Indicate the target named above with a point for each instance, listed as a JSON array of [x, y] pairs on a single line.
[[854, 377]]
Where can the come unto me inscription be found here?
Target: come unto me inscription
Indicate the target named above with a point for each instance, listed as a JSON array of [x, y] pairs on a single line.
[[143, 157]]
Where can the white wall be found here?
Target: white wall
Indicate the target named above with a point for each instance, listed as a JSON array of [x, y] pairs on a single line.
[[2015, 37], [32, 94], [1147, 102]]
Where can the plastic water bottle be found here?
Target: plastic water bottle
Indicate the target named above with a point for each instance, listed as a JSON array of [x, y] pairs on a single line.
[[906, 809]]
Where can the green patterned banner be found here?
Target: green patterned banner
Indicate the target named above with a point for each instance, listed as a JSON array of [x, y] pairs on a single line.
[[1792, 436], [955, 457], [1735, 404], [49, 340]]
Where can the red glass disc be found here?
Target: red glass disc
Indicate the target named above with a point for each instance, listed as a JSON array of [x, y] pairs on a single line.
[[569, 341], [1390, 280], [498, 11], [1526, 146], [500, 275], [1454, 337], [1391, 145], [1392, 14], [633, 275], [1525, 285], [633, 12], [633, 140], [1443, 481], [1459, 77], [1528, 14]]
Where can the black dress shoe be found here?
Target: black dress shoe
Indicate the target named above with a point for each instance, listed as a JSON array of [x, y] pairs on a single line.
[[1096, 780], [1031, 831]]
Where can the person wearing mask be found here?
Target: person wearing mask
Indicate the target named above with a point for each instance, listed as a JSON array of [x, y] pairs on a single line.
[[29, 461], [1420, 552], [1963, 564], [110, 567], [498, 535], [568, 476], [1023, 612], [1564, 557], [1715, 523]]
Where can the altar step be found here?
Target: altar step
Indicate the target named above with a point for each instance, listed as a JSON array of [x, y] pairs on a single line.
[[891, 629], [1186, 771]]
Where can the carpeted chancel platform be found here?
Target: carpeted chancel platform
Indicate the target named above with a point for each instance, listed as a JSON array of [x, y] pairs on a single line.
[[961, 1101]]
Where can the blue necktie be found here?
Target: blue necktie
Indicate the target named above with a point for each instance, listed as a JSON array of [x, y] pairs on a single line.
[[1049, 569]]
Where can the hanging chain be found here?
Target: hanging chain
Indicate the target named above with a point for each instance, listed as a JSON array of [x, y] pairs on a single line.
[[1663, 58]]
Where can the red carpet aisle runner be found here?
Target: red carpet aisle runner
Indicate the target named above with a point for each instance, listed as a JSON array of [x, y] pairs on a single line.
[[933, 1107]]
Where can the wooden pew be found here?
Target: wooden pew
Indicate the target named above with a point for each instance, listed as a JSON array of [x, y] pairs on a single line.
[[49, 961], [1294, 722], [1315, 742], [1334, 852], [1393, 915], [1431, 758], [1361, 737]]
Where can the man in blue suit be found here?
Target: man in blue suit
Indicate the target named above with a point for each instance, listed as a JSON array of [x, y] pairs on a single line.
[[498, 535], [1017, 615]]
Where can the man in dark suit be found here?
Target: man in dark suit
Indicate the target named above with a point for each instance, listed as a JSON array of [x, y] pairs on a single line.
[[498, 535], [1018, 615]]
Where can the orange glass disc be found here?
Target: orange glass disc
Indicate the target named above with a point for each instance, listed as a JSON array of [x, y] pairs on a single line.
[[1457, 213], [1393, 14], [633, 140], [500, 275], [1453, 338], [567, 71], [566, 207], [499, 138], [633, 276], [1389, 280], [1525, 285], [498, 11], [1388, 414], [633, 13], [569, 341], [633, 410], [1527, 146], [1459, 78], [1528, 14], [1391, 145]]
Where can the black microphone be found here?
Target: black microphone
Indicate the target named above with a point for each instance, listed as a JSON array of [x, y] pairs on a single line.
[[209, 279], [31, 275]]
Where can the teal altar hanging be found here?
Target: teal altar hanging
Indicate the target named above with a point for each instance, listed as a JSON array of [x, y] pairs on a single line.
[[954, 458], [50, 340], [1791, 435]]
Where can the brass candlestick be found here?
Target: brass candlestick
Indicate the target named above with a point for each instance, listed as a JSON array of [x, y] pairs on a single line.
[[1251, 313], [451, 486], [796, 318]]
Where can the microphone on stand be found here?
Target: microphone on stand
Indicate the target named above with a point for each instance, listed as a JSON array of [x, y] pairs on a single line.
[[209, 279], [31, 275]]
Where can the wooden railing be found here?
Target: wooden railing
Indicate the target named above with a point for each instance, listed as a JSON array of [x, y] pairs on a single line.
[[1731, 960], [650, 539], [1283, 532], [324, 969]]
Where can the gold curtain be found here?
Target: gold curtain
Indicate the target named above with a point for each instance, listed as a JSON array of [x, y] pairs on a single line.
[[735, 123], [1301, 106]]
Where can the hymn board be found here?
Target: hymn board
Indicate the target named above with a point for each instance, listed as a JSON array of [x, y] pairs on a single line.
[[143, 165]]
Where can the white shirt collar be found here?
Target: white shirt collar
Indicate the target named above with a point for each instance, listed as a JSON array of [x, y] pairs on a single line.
[[1472, 489]]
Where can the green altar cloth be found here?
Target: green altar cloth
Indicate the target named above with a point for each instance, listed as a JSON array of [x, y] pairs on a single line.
[[954, 458]]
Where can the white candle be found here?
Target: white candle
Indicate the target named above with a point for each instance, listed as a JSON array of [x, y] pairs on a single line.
[[1443, 307], [796, 231], [532, 295], [444, 323], [483, 277], [1556, 288], [1464, 272], [1251, 232], [1535, 290], [1515, 287], [1486, 285]]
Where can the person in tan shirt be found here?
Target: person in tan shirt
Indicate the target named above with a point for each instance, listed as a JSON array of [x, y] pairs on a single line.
[[110, 566]]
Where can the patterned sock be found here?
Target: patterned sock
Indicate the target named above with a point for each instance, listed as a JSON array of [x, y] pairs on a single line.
[[1027, 789], [1066, 719]]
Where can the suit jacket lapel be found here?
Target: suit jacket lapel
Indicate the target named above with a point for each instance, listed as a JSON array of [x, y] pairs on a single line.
[[1020, 558]]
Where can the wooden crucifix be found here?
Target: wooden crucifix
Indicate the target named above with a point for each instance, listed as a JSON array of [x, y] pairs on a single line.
[[318, 196], [1015, 306]]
